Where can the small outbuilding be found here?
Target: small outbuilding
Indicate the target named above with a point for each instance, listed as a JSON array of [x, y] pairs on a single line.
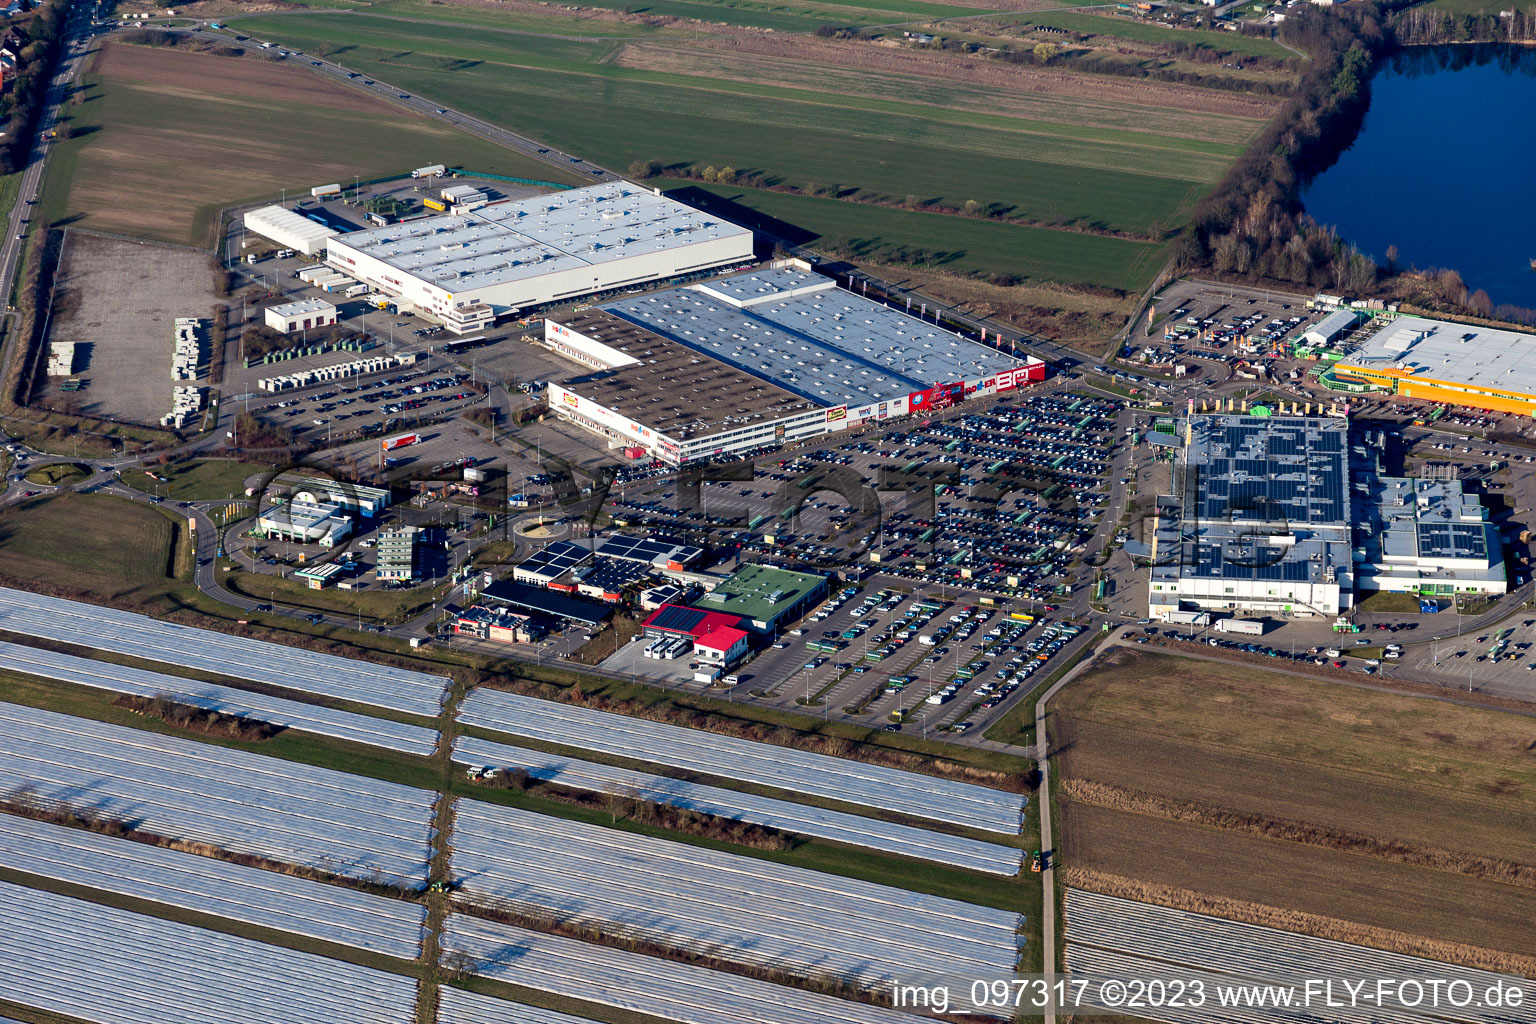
[[304, 315]]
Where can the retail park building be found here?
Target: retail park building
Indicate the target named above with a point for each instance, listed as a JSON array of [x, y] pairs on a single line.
[[1280, 514], [1439, 361], [754, 360]]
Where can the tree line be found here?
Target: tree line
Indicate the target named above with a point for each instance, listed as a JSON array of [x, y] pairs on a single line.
[[1253, 226], [29, 89]]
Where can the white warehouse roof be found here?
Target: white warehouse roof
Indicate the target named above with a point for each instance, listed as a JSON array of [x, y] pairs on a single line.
[[301, 307], [582, 228], [286, 228]]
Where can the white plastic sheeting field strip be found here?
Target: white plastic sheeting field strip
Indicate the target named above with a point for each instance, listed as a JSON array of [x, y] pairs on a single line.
[[456, 1006], [101, 675], [1134, 934], [1090, 966], [109, 966], [797, 771], [107, 629], [239, 801], [749, 910], [644, 984], [266, 898], [888, 837]]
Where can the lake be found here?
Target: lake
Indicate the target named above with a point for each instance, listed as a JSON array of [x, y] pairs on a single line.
[[1444, 168]]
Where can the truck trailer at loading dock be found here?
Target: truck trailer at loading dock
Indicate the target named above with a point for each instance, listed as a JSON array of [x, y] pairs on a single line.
[[1182, 618], [1247, 627]]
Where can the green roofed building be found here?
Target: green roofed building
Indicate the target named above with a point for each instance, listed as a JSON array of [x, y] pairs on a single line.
[[764, 597]]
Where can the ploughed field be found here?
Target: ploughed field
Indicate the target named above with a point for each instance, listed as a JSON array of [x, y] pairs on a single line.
[[1410, 819]]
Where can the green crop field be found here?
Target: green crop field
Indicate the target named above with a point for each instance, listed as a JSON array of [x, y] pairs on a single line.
[[202, 480], [176, 131], [873, 234], [1114, 159]]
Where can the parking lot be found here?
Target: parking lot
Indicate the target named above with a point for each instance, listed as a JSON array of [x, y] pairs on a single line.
[[997, 499]]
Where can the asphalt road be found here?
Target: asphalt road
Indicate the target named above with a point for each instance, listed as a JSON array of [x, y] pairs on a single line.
[[72, 57]]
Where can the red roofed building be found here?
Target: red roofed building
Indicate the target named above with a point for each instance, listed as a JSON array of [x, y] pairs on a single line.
[[723, 646], [680, 620], [718, 638]]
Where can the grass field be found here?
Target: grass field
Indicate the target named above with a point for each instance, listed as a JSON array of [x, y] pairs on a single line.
[[87, 542], [185, 134], [957, 244], [56, 474], [1396, 812], [200, 480], [1150, 32], [373, 605], [1062, 162]]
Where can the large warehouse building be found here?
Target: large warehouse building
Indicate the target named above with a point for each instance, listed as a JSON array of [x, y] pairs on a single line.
[[1262, 522], [290, 230], [1269, 517], [468, 269], [1459, 364], [759, 359]]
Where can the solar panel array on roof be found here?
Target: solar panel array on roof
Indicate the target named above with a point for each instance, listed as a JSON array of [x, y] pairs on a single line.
[[555, 559], [675, 618], [610, 574], [650, 550], [1272, 470], [1453, 540]]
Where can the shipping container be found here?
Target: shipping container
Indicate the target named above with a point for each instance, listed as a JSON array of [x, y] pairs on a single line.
[[435, 204]]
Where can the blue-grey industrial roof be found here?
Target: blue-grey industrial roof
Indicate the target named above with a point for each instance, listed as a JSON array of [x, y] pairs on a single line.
[[809, 337]]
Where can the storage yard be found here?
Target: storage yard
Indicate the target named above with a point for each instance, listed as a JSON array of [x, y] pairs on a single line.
[[217, 888], [802, 819], [736, 908], [1118, 938], [796, 771], [109, 966], [644, 984], [202, 650], [233, 800], [311, 718], [118, 301]]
